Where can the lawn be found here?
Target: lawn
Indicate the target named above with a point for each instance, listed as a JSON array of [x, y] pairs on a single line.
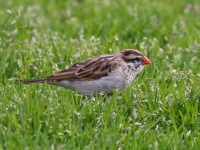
[[160, 110]]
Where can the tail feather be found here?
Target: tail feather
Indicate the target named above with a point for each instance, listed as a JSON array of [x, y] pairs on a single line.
[[27, 81]]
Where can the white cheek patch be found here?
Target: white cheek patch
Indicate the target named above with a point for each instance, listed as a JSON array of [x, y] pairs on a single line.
[[135, 66]]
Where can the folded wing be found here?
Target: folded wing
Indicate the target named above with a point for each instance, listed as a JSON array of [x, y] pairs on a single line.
[[90, 69]]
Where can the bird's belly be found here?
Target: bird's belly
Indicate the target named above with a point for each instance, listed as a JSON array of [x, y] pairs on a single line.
[[103, 85]]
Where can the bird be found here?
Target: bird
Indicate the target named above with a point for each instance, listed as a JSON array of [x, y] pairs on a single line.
[[99, 75]]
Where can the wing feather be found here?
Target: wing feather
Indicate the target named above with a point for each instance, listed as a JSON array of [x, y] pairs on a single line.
[[90, 69]]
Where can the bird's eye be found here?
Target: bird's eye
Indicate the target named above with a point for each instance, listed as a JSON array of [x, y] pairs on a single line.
[[136, 59]]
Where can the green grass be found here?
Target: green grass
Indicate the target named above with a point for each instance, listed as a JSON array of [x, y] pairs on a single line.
[[160, 110]]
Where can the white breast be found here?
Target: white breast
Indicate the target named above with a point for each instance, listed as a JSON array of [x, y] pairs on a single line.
[[119, 79]]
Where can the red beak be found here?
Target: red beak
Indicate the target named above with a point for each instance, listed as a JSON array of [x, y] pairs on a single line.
[[146, 61]]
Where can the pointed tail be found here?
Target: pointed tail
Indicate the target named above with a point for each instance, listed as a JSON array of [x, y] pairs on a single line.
[[27, 81]]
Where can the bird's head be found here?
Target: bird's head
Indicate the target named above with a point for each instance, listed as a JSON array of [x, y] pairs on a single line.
[[135, 60]]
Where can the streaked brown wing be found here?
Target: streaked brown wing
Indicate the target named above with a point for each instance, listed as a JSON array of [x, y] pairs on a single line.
[[90, 69]]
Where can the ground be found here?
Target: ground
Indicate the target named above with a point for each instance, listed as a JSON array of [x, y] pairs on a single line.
[[160, 110]]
